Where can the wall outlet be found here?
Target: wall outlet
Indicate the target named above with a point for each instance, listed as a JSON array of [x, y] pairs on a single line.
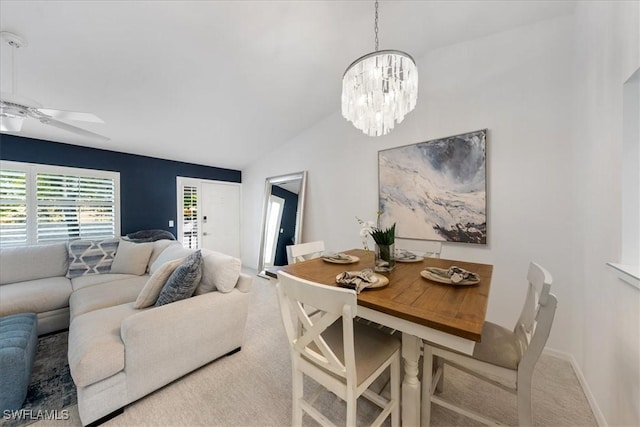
[[170, 223]]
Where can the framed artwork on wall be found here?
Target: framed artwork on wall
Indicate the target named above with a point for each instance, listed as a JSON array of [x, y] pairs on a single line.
[[436, 190]]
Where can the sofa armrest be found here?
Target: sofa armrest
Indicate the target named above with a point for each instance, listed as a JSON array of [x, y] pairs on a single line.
[[167, 342]]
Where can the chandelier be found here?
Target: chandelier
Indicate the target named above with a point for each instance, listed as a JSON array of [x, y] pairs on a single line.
[[379, 89]]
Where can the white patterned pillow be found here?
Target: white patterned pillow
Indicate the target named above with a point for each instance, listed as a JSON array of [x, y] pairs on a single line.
[[88, 257]]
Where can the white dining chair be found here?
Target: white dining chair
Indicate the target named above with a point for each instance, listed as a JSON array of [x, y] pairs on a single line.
[[504, 358], [337, 353], [304, 251]]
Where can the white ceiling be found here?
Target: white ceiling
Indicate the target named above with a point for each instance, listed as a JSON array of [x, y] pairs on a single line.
[[220, 83]]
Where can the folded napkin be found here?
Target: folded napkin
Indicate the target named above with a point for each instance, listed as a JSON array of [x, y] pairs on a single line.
[[405, 254], [337, 257], [358, 280], [455, 274]]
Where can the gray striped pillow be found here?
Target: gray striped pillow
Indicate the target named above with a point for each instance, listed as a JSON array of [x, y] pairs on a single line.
[[183, 281]]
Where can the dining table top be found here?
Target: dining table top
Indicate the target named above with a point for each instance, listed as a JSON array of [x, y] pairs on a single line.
[[454, 309]]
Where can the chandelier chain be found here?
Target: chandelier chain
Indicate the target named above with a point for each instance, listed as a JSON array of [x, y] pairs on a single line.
[[379, 89], [375, 27]]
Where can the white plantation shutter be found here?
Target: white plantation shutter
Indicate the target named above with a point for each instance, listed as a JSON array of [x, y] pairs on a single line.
[[45, 204], [190, 217], [13, 207], [74, 207]]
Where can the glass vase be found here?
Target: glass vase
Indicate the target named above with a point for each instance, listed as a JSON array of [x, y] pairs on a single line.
[[384, 258]]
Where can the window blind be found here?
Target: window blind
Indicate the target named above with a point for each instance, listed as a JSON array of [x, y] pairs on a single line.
[[13, 207], [190, 217], [74, 207], [42, 204]]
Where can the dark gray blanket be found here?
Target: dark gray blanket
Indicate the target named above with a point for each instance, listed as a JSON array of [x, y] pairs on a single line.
[[143, 236]]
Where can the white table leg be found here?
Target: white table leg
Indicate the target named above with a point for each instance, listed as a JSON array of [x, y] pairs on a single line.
[[427, 377], [410, 383]]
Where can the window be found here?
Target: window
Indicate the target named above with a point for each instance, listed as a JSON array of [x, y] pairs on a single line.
[[190, 217], [42, 204]]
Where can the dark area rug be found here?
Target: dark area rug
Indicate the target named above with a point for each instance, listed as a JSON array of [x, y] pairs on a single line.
[[51, 388]]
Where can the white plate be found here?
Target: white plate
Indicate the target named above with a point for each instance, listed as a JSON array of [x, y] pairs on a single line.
[[379, 282], [352, 259], [436, 278]]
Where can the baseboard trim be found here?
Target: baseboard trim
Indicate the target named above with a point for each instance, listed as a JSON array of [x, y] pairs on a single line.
[[597, 413], [106, 418]]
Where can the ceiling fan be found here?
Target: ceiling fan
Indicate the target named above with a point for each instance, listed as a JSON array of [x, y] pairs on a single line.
[[15, 108]]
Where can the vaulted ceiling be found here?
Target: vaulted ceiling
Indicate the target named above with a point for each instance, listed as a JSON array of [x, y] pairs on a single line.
[[219, 83]]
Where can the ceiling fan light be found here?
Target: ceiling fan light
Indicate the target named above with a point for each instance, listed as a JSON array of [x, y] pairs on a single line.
[[11, 119]]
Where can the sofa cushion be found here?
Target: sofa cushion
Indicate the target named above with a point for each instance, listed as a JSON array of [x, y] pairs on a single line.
[[219, 272], [24, 263], [35, 296], [170, 253], [105, 295], [158, 247], [96, 350], [149, 293], [96, 279], [132, 258], [183, 281], [88, 257]]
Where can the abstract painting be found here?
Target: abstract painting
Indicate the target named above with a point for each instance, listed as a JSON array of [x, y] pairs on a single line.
[[436, 190]]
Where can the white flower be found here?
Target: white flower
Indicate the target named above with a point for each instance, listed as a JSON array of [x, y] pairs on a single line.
[[365, 231]]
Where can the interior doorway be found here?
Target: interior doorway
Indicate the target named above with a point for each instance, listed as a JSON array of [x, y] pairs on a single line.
[[273, 229]]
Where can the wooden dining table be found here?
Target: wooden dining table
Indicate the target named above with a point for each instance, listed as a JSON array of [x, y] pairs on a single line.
[[448, 315]]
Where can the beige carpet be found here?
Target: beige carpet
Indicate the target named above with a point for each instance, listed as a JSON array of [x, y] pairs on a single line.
[[253, 388]]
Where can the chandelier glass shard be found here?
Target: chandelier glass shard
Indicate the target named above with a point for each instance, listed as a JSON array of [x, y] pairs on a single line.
[[379, 89]]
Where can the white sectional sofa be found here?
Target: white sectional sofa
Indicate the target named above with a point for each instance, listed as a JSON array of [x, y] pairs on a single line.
[[119, 353]]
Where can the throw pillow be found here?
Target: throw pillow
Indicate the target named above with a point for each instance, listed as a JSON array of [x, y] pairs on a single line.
[[132, 258], [88, 257], [149, 294], [219, 272], [158, 247], [183, 281], [174, 251]]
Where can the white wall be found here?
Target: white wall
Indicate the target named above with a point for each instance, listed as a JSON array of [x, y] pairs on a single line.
[[517, 84], [606, 310], [550, 96]]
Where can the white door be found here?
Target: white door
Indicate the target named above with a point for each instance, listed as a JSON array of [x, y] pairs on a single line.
[[209, 215], [221, 217]]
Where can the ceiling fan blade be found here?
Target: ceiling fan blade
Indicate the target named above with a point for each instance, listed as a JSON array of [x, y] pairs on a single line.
[[70, 128], [71, 115]]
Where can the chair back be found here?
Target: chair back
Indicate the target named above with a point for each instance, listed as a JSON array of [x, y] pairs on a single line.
[[425, 248], [304, 251], [304, 331], [534, 325]]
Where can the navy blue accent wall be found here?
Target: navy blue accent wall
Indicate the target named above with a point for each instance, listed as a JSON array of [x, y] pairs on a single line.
[[287, 224], [147, 184]]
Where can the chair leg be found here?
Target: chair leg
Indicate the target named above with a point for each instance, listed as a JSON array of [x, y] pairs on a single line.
[[352, 406], [525, 410], [439, 361], [395, 391], [427, 374], [296, 415]]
